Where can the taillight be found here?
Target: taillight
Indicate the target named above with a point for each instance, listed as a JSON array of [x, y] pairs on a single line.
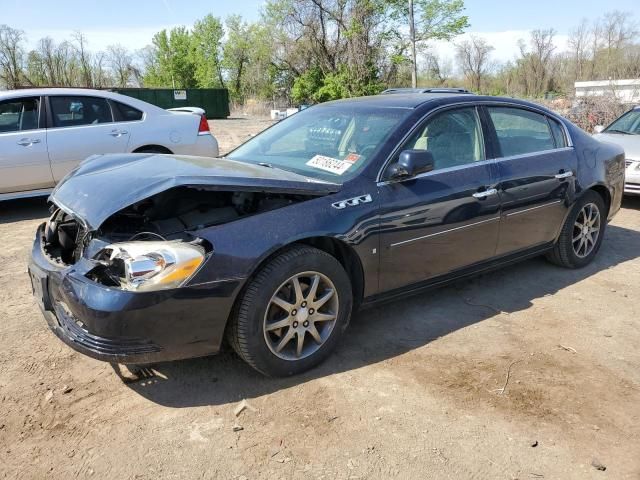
[[203, 128]]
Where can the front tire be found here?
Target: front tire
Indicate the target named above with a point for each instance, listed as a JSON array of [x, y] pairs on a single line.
[[582, 233], [292, 313]]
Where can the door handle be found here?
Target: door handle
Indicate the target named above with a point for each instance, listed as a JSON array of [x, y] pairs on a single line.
[[27, 142], [566, 174], [485, 193], [118, 133]]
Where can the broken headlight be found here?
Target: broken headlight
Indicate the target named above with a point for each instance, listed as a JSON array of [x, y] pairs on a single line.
[[151, 265]]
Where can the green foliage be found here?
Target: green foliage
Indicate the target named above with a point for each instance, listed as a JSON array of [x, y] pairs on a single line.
[[314, 87], [206, 53], [434, 19], [307, 85]]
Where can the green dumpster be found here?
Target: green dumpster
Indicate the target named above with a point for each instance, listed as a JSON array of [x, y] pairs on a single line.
[[214, 101]]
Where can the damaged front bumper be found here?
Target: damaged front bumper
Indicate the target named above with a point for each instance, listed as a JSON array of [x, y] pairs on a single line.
[[115, 325]]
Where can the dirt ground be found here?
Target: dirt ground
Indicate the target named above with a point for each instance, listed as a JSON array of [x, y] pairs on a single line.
[[418, 389]]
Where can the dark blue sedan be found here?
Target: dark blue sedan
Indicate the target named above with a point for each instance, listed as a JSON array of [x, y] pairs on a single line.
[[150, 258]]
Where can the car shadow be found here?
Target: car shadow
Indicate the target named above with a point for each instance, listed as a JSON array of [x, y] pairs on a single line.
[[631, 202], [23, 209], [384, 332]]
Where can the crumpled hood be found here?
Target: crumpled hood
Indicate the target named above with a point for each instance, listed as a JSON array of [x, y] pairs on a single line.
[[105, 184], [630, 143]]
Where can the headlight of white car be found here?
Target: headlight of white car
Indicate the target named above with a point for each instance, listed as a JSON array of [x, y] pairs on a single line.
[[154, 265]]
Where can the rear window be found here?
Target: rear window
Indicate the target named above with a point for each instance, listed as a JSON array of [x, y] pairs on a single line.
[[18, 115], [558, 133], [521, 131], [126, 113], [77, 111]]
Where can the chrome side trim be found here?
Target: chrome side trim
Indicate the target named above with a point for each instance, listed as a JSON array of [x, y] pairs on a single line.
[[444, 231], [530, 154], [533, 208]]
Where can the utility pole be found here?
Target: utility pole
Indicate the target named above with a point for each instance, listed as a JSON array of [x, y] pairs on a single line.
[[412, 35]]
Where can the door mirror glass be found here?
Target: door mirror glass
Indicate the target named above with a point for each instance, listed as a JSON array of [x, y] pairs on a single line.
[[411, 163], [598, 129]]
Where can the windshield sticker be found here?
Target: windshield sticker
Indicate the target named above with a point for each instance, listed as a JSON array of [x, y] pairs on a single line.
[[352, 158], [329, 164]]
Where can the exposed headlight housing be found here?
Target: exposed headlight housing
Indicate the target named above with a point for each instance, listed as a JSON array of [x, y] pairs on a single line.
[[151, 265]]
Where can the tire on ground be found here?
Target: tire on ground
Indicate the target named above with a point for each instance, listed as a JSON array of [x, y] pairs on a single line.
[[245, 332], [563, 253]]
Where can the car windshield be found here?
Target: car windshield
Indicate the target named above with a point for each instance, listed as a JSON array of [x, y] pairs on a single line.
[[328, 142], [628, 123]]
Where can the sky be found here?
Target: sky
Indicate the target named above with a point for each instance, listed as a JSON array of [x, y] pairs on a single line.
[[132, 23]]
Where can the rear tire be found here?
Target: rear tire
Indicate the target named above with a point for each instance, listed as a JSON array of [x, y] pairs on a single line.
[[293, 313], [582, 233]]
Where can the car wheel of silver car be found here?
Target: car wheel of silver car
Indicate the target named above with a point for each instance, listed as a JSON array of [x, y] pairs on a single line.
[[292, 313], [582, 232]]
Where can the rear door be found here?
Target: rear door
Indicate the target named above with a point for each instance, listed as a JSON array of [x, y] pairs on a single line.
[[24, 163], [536, 171], [81, 126], [445, 219]]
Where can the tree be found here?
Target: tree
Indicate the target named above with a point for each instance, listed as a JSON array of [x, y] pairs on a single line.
[[84, 59], [207, 52], [535, 61], [120, 61], [11, 56], [237, 51], [173, 59], [578, 43], [429, 20], [473, 56]]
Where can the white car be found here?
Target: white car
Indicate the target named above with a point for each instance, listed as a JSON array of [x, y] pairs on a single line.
[[625, 131], [45, 133]]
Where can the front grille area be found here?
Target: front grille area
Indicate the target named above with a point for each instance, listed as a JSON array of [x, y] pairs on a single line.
[[632, 187], [77, 332]]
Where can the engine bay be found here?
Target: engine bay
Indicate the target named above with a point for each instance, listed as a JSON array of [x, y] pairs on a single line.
[[171, 215]]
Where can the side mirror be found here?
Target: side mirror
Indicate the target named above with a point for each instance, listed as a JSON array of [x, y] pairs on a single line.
[[598, 129], [412, 163]]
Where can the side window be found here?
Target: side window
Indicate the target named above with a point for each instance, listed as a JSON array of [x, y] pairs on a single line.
[[454, 137], [125, 113], [18, 115], [558, 133], [76, 111], [521, 131]]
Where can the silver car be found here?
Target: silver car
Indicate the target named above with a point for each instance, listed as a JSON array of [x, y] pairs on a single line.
[[46, 133], [625, 131]]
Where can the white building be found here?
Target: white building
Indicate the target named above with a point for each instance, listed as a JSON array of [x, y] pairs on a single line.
[[626, 91]]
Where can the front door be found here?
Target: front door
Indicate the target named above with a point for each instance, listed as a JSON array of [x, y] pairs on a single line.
[[24, 163], [536, 171], [446, 219], [80, 127]]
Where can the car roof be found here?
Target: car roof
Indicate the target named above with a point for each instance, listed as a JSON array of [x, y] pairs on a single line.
[[456, 90], [51, 91], [397, 100], [416, 100]]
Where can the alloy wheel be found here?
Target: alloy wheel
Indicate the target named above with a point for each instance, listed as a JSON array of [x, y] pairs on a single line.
[[301, 315], [586, 230]]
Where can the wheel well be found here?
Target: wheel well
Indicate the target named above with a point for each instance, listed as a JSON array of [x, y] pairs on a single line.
[[604, 193], [347, 257], [152, 148]]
